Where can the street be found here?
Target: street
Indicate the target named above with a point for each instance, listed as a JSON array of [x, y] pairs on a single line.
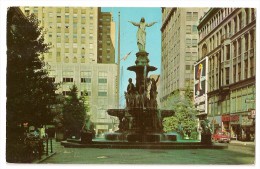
[[235, 154]]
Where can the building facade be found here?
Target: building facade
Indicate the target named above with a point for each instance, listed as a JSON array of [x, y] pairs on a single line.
[[76, 36], [179, 48], [227, 38], [106, 37]]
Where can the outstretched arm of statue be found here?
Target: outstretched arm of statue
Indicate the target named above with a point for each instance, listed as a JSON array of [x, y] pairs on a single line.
[[150, 24], [134, 23], [157, 79]]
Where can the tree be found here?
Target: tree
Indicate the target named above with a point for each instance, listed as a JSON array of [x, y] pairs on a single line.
[[184, 120], [85, 100], [30, 91], [74, 112]]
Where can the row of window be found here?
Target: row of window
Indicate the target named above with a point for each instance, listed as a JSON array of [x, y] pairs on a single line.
[[73, 40], [75, 45], [67, 35], [75, 15], [73, 59], [82, 93], [66, 93], [67, 27], [191, 29], [101, 74], [84, 80], [239, 71], [246, 16], [191, 42], [59, 17], [58, 10], [88, 93], [249, 43], [67, 53], [192, 16], [102, 59], [191, 56], [234, 103]]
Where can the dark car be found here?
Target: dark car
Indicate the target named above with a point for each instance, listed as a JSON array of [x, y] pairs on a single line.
[[221, 137]]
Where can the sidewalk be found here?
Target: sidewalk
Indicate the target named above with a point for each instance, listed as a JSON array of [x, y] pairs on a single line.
[[56, 147], [245, 143], [44, 157]]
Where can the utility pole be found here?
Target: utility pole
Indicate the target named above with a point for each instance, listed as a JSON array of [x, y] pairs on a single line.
[[118, 62]]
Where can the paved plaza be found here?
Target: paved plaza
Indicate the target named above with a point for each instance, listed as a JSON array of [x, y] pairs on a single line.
[[235, 154]]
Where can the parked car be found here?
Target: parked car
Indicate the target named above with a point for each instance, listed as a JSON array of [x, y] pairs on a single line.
[[221, 137]]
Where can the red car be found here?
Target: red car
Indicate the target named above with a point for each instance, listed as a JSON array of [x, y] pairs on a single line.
[[221, 137]]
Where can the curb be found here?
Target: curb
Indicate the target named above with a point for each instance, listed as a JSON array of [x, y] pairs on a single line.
[[243, 144], [43, 158]]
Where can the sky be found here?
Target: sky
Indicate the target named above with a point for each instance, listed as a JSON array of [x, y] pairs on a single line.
[[128, 41]]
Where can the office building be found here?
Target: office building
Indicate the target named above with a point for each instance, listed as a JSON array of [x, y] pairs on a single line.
[[179, 49], [227, 38], [106, 37], [76, 36]]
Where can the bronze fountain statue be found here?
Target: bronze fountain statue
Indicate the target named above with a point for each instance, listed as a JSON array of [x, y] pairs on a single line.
[[141, 120]]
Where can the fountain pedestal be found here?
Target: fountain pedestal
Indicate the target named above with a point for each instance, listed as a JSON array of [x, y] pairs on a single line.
[[140, 121]]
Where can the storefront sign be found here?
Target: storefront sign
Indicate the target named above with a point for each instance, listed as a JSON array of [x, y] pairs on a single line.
[[200, 85], [230, 118], [249, 100]]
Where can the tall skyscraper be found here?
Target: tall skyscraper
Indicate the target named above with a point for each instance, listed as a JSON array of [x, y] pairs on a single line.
[[179, 48], [82, 41], [106, 37]]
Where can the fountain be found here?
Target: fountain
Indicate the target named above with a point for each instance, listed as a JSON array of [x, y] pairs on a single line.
[[141, 120], [140, 123]]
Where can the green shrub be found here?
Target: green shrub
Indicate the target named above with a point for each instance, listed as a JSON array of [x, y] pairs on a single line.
[[194, 135]]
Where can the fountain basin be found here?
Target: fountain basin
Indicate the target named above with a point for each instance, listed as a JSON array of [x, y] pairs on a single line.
[[141, 68], [116, 112], [182, 144]]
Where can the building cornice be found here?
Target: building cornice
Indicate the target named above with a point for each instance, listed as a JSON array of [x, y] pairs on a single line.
[[246, 28], [235, 35], [211, 12], [216, 27], [233, 86], [216, 49], [243, 83], [167, 19]]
